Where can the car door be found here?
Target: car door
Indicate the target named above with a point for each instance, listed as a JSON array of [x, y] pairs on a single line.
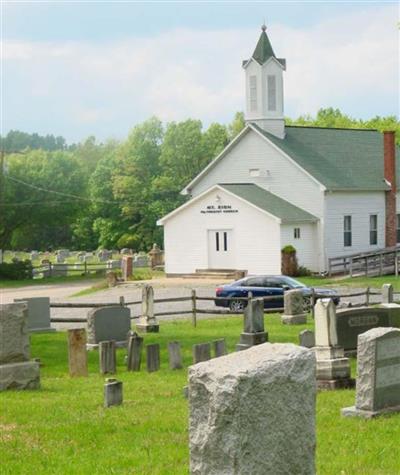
[[255, 286], [275, 288]]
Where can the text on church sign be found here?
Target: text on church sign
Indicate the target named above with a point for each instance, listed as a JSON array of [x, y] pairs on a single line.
[[219, 209]]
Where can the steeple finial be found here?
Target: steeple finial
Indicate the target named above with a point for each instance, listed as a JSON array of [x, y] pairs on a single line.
[[263, 26]]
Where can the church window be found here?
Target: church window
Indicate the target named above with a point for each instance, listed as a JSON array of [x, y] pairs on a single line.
[[253, 93], [373, 229], [297, 233], [254, 172], [271, 85], [347, 231]]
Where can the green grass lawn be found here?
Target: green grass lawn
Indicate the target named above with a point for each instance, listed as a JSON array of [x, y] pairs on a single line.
[[63, 428], [360, 282]]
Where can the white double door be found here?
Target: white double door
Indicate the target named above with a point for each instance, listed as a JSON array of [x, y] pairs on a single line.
[[220, 249]]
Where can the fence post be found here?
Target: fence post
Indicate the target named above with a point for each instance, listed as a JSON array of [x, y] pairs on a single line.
[[396, 264], [380, 264], [122, 301], [366, 266], [85, 267], [312, 302], [367, 297], [351, 267], [50, 269], [194, 315]]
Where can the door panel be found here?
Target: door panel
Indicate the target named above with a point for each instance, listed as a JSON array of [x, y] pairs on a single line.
[[221, 249]]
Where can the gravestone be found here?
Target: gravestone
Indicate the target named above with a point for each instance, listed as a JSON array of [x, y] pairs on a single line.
[[107, 357], [114, 264], [17, 371], [34, 255], [156, 256], [147, 321], [125, 251], [351, 322], [135, 344], [108, 323], [378, 381], [307, 338], [112, 392], [77, 354], [38, 314], [59, 259], [201, 352], [333, 369], [59, 270], [253, 412], [387, 293], [126, 267], [294, 308], [219, 347], [253, 325], [153, 357], [175, 357]]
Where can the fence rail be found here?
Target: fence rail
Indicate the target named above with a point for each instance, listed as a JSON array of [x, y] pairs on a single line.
[[194, 310], [52, 269]]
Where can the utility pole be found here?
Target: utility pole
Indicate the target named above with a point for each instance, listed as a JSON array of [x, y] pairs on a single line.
[[2, 194]]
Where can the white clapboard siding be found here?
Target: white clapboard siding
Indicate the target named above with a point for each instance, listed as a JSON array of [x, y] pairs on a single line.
[[359, 205], [278, 174], [306, 246], [256, 236]]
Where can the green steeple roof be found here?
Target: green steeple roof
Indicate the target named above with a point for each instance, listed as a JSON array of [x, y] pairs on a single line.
[[263, 49]]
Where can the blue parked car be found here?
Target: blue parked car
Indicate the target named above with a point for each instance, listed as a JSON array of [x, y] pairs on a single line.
[[266, 286]]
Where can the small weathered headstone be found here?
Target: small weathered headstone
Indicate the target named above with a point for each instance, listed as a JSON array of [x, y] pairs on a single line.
[[219, 347], [147, 322], [333, 369], [112, 392], [134, 358], [387, 293], [108, 323], [307, 338], [126, 267], [107, 357], [253, 325], [175, 357], [153, 357], [294, 308], [77, 355], [201, 352], [378, 381], [253, 412]]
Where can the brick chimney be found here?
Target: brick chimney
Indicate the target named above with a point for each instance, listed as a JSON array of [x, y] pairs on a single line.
[[389, 158]]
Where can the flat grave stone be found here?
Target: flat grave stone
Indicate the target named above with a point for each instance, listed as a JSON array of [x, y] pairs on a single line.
[[38, 314], [201, 352], [107, 357], [113, 395], [153, 357], [219, 348], [307, 338], [175, 356], [134, 357]]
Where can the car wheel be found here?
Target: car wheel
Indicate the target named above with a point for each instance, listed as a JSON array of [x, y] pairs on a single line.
[[307, 304], [237, 305]]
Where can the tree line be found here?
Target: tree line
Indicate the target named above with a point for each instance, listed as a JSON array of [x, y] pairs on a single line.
[[91, 194]]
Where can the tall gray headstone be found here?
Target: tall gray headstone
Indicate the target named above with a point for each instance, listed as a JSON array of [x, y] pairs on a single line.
[[147, 321], [387, 293], [175, 356], [38, 314], [153, 357], [108, 323], [378, 382], [16, 370], [253, 412], [107, 357], [134, 359], [201, 352], [333, 369], [294, 313], [253, 328]]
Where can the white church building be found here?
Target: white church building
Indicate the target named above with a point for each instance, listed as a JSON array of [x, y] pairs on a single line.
[[327, 192]]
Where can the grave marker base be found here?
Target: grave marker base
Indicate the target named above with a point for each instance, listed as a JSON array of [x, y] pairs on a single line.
[[95, 346], [354, 412], [147, 327], [25, 375], [247, 340], [299, 319], [332, 384]]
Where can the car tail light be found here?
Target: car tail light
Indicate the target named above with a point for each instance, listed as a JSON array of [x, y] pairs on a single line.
[[218, 290]]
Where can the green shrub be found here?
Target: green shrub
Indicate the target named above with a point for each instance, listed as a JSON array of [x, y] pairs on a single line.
[[289, 249], [16, 270], [303, 272]]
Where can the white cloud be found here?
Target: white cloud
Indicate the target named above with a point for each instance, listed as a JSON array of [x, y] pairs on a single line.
[[104, 88]]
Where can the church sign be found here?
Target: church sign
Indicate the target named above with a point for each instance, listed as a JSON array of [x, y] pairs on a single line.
[[212, 209]]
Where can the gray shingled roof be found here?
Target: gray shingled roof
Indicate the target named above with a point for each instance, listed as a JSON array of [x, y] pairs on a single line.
[[269, 202], [340, 159]]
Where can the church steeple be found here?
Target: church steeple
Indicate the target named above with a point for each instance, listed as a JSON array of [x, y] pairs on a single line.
[[264, 87]]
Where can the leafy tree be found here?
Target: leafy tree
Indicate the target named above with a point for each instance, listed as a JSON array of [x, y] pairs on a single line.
[[16, 141], [237, 125]]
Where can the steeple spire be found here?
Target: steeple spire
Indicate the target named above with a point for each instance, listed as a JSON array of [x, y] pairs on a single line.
[[263, 49]]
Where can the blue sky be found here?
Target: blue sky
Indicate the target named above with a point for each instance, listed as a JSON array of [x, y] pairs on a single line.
[[77, 69]]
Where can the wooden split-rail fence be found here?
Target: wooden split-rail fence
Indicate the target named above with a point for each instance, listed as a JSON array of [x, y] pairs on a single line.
[[194, 310]]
